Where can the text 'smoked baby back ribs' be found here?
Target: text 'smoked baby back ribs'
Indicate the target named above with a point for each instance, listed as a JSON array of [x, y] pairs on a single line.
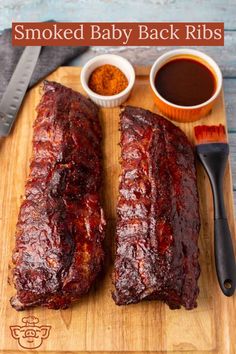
[[158, 218], [59, 235]]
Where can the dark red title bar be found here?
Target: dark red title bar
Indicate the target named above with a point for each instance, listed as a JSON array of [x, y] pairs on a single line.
[[118, 34]]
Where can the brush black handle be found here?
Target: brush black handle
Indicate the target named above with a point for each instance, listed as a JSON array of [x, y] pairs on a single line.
[[214, 158], [224, 257]]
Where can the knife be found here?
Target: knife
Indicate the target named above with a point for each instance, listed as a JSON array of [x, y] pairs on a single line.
[[16, 89]]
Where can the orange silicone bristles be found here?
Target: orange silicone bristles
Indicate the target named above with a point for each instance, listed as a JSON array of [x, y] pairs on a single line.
[[210, 134]]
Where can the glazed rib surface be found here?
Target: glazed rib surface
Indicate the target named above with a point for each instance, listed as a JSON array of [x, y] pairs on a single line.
[[158, 218], [58, 251]]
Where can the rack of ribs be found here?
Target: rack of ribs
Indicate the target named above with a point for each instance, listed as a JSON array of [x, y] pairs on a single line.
[[158, 218], [60, 229]]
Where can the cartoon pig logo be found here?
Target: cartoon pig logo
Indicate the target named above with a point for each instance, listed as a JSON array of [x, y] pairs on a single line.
[[30, 335]]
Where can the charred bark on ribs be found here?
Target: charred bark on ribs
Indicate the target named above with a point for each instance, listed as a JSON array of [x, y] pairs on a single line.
[[158, 218], [59, 235]]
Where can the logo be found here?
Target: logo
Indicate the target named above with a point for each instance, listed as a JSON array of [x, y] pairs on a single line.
[[30, 335]]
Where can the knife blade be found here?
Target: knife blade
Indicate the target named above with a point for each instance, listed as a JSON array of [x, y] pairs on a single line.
[[16, 89]]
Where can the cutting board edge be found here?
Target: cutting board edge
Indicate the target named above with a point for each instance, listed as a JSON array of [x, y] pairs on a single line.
[[141, 71]]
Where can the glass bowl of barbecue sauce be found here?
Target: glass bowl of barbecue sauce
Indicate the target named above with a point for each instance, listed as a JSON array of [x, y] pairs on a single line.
[[186, 84]]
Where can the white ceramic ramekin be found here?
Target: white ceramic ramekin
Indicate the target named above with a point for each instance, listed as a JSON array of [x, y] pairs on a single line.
[[185, 113], [118, 61]]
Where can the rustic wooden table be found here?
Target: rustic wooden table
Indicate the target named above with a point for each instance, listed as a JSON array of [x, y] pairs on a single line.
[[143, 10]]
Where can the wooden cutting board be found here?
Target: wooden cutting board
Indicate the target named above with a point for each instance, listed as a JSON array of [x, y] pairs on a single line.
[[96, 323]]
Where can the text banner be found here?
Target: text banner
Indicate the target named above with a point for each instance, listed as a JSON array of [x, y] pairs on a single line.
[[118, 34]]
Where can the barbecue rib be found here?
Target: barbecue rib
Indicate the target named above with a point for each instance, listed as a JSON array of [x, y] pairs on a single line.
[[158, 219], [59, 232]]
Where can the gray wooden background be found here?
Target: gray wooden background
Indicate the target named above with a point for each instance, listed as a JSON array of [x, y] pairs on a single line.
[[143, 10]]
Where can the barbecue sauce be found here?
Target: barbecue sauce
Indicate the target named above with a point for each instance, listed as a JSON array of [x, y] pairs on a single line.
[[185, 82]]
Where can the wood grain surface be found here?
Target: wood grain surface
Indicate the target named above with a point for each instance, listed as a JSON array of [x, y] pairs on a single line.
[[96, 323]]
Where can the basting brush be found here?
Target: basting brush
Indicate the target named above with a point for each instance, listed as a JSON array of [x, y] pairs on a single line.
[[213, 151]]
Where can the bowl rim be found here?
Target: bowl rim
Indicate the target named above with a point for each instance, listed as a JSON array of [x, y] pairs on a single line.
[[166, 57], [104, 56]]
